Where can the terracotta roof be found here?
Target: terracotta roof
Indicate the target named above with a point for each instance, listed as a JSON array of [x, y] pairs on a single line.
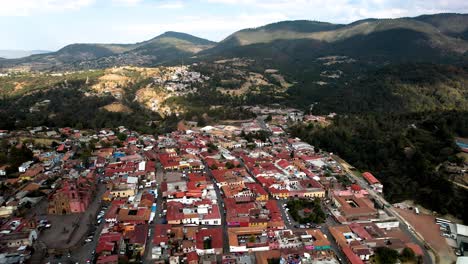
[[356, 187], [416, 249], [353, 258], [139, 235], [192, 256], [360, 231], [134, 215], [370, 178], [108, 259], [216, 235], [161, 234]]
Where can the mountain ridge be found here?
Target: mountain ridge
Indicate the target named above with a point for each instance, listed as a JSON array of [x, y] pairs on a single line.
[[90, 55], [428, 38]]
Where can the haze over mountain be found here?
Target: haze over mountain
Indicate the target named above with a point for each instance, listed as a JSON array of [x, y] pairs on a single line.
[[163, 48], [15, 54]]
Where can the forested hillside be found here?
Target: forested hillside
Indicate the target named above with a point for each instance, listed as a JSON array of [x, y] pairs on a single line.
[[402, 150], [396, 88]]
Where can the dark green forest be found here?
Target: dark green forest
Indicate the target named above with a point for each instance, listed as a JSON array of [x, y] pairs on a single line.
[[402, 150]]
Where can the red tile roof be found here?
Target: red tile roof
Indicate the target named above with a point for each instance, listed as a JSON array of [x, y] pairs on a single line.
[[416, 249], [216, 235], [283, 163], [360, 231], [161, 234], [108, 259], [192, 256], [353, 258], [370, 178], [173, 211], [355, 187], [108, 241], [256, 188], [214, 213], [139, 235]]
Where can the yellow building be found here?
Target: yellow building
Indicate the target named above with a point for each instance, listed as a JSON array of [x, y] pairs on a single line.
[[122, 192]]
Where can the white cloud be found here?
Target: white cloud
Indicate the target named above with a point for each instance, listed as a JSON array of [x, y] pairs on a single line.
[[156, 4], [345, 11], [127, 2], [29, 7], [220, 26], [171, 5]]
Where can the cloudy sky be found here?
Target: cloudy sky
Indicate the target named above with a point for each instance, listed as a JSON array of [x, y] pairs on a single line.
[[52, 24]]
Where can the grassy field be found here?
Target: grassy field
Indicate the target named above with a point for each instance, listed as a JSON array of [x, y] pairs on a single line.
[[42, 141]]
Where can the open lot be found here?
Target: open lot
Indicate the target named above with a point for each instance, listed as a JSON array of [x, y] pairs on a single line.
[[68, 231], [426, 226]]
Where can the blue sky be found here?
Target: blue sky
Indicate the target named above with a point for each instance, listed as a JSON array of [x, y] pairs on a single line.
[[52, 24]]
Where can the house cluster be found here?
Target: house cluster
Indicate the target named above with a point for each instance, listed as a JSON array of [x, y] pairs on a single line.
[[359, 241], [17, 236], [125, 231], [281, 117], [188, 244], [190, 199], [180, 79], [52, 177], [242, 185], [200, 195], [67, 174]]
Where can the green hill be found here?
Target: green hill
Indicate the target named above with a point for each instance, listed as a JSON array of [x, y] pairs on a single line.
[[426, 38], [166, 47], [455, 25]]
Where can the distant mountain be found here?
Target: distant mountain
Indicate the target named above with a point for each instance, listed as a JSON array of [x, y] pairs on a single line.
[[421, 38], [166, 47], [15, 54], [454, 25]]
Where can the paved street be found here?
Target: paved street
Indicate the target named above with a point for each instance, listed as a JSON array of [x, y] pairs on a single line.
[[219, 198], [157, 219]]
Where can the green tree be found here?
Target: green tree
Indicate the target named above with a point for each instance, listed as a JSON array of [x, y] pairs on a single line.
[[408, 255], [121, 136], [229, 165], [385, 255]]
